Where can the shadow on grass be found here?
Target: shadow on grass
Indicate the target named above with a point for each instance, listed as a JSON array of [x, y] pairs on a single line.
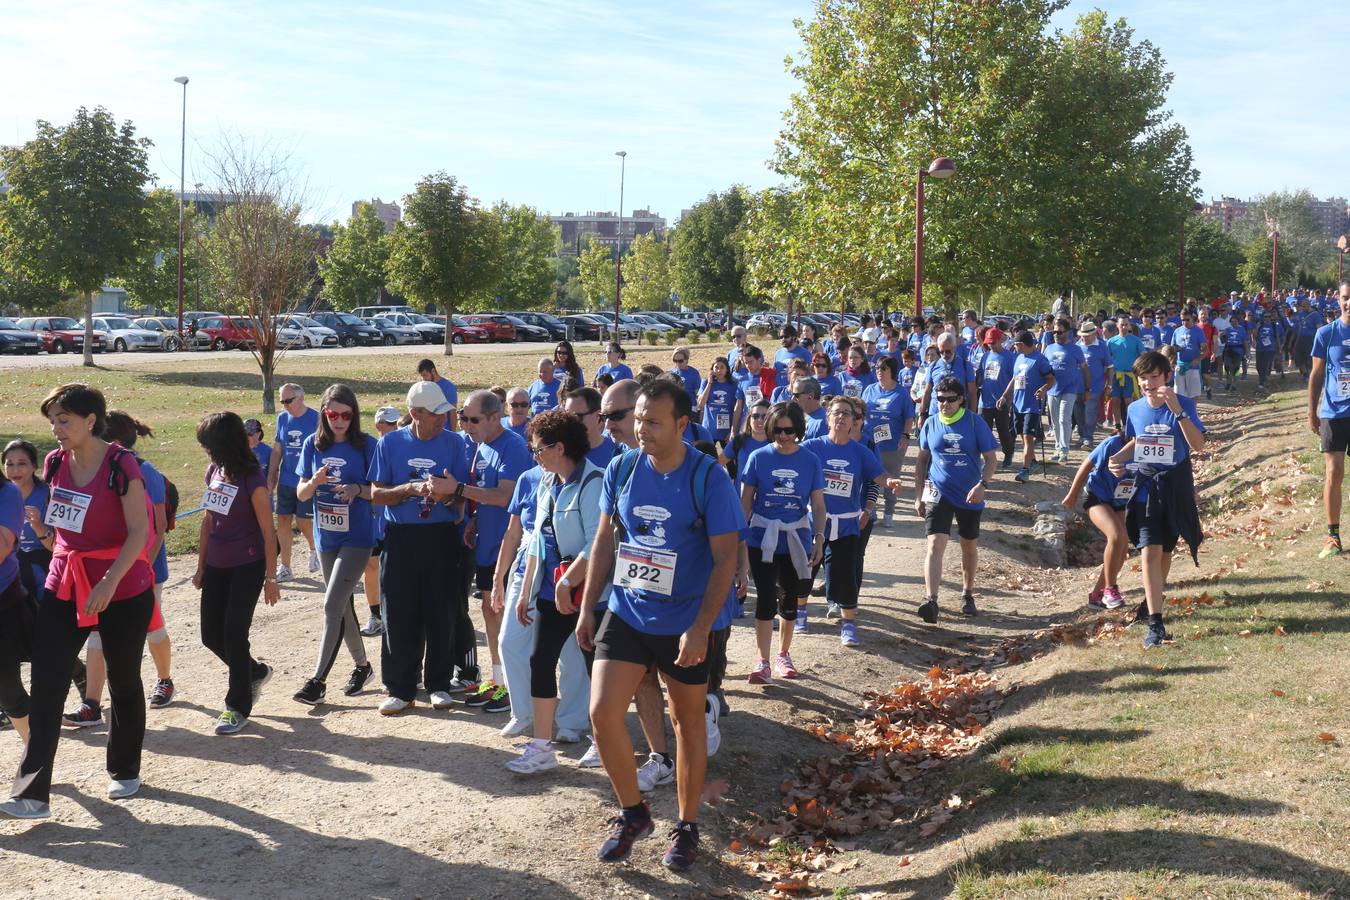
[[314, 385]]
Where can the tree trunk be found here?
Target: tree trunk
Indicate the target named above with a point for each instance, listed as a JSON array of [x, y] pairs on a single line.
[[89, 328], [268, 377], [449, 328]]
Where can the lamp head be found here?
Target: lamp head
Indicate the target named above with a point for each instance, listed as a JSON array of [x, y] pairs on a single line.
[[942, 167], [182, 79], [621, 153]]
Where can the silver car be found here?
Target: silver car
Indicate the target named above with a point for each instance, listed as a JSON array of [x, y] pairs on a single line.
[[124, 334]]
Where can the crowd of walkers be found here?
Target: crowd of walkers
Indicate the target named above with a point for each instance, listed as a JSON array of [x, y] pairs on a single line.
[[612, 531]]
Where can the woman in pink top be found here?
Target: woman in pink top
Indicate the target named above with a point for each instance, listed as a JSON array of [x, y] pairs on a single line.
[[99, 576]]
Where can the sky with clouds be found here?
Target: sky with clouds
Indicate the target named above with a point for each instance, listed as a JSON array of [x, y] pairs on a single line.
[[528, 100]]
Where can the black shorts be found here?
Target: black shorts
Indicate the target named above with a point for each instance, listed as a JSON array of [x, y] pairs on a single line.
[[1028, 424], [938, 519], [377, 549], [482, 577], [1155, 530], [621, 642], [1093, 500], [1335, 435]]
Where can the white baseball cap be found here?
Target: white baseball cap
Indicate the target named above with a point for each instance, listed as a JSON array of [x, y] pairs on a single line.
[[429, 396]]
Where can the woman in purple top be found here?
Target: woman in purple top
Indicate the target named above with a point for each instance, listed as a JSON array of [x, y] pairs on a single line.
[[236, 560]]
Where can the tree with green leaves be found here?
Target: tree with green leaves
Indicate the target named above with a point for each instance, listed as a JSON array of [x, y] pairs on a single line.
[[353, 270], [595, 268], [706, 264], [1212, 259], [1254, 271], [75, 214], [19, 296], [530, 244], [446, 249], [646, 273]]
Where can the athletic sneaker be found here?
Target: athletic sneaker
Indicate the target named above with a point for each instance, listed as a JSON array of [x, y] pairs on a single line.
[[534, 758], [928, 611], [1140, 615], [624, 831], [284, 573], [462, 685], [591, 758], [162, 695], [654, 773], [373, 628], [760, 673], [1022, 476], [832, 611], [123, 788], [1095, 600], [314, 566], [312, 693], [783, 667], [1111, 598], [683, 846], [1157, 636], [499, 702], [710, 713], [848, 633], [230, 722], [25, 809], [441, 700], [968, 604], [261, 680], [481, 696], [799, 626], [516, 727], [360, 675], [1331, 548], [86, 714], [1007, 461], [818, 589], [392, 706]]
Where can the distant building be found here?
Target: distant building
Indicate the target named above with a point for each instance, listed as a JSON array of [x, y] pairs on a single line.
[[1331, 214], [208, 204], [388, 213], [603, 228]]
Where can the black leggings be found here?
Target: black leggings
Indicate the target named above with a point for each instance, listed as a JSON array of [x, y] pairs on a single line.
[[769, 578], [551, 634], [57, 640], [229, 596], [1000, 421], [17, 615], [842, 562], [717, 658]]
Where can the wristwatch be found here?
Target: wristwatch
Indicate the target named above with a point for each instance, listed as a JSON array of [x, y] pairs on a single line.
[[1182, 416]]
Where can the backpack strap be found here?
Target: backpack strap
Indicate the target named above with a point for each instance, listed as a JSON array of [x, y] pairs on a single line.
[[53, 466], [624, 474], [699, 492]]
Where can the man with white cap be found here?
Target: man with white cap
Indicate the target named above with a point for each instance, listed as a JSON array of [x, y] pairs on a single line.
[[418, 476]]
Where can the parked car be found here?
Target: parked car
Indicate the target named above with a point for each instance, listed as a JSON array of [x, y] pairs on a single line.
[[690, 320], [196, 315], [61, 333], [368, 312], [393, 333], [468, 334], [350, 329], [651, 323], [498, 326], [228, 332], [585, 328], [14, 339], [312, 334], [166, 327], [770, 320], [527, 332], [556, 327], [123, 334], [431, 332]]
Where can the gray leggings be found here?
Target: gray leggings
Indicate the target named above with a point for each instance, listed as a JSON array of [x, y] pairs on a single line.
[[342, 571], [891, 461]]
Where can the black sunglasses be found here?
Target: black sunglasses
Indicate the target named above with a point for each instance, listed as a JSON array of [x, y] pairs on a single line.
[[473, 420], [947, 398], [788, 430], [289, 400], [617, 415], [520, 405]]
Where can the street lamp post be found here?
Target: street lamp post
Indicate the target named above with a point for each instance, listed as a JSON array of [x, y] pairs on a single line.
[[182, 181], [197, 250], [618, 259], [942, 167], [1274, 257]]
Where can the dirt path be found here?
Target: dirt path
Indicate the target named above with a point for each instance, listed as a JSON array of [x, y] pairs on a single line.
[[340, 802]]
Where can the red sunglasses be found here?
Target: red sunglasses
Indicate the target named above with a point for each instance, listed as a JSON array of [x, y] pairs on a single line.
[[334, 416]]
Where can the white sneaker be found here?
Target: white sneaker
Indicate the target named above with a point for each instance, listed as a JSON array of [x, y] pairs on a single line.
[[314, 565], [25, 809], [591, 758], [515, 727], [441, 700], [655, 771], [714, 733], [567, 736], [283, 573], [534, 758], [392, 706], [124, 788]]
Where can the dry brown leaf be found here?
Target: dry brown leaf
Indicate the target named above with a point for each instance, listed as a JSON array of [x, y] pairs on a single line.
[[904, 860], [1278, 693], [1327, 737], [713, 791], [1246, 632]]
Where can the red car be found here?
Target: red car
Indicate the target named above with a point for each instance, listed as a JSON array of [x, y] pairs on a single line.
[[227, 332], [499, 328], [466, 333], [62, 333]]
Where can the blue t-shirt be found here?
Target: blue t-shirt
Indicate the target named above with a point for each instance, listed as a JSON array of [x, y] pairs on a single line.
[[28, 539], [1169, 448], [1150, 337], [1066, 361], [600, 454], [783, 484], [956, 453], [887, 413], [1189, 342], [846, 468], [719, 407], [748, 446], [816, 425], [515, 429], [157, 492], [401, 457], [291, 433], [337, 523], [1235, 339], [783, 358], [1332, 345], [1267, 337], [1102, 482], [692, 380], [854, 385], [1125, 349], [504, 458], [620, 372], [830, 385], [1098, 361], [658, 513], [694, 432], [996, 370], [263, 453], [1029, 376], [958, 367], [1309, 323], [525, 504], [543, 395], [448, 388], [748, 382], [11, 517]]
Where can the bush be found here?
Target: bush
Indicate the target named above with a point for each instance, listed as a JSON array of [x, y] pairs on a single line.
[[714, 336], [651, 334], [672, 336], [691, 336]]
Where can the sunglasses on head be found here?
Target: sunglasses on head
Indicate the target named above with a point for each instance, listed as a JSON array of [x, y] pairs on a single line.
[[617, 415], [334, 415]]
